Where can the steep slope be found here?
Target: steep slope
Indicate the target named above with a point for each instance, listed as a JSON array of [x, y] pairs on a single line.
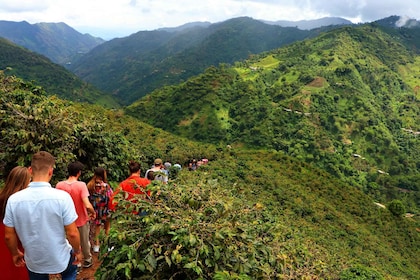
[[57, 41], [347, 101], [54, 78], [134, 66]]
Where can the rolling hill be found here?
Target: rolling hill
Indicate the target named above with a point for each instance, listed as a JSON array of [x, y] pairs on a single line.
[[346, 101]]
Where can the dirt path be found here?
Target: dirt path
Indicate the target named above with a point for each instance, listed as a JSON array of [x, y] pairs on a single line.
[[89, 273]]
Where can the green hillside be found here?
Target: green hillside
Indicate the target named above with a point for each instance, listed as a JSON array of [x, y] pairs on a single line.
[[53, 78], [248, 214], [346, 101]]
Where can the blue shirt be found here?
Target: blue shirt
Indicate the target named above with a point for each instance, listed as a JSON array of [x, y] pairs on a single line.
[[39, 214]]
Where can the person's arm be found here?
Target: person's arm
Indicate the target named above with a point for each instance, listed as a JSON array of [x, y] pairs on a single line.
[[73, 237], [89, 208], [11, 239]]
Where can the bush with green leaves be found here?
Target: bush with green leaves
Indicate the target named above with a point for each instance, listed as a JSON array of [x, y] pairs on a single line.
[[360, 272], [189, 232], [396, 207], [31, 121]]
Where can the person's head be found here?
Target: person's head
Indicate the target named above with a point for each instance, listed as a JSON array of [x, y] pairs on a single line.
[[74, 168], [158, 162], [17, 180], [133, 166], [42, 164], [151, 175], [100, 173]]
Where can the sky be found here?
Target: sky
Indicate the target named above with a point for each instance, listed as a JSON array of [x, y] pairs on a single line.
[[109, 19]]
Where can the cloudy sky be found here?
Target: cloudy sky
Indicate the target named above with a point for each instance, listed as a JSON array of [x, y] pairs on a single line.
[[119, 18]]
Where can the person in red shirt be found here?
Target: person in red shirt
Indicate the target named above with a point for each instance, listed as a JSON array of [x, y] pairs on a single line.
[[133, 185], [84, 209], [17, 180]]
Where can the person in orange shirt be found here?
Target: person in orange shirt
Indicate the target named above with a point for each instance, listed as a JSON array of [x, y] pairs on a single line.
[[17, 180], [133, 185]]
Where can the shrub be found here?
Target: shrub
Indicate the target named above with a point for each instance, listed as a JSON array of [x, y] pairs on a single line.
[[396, 207], [360, 272]]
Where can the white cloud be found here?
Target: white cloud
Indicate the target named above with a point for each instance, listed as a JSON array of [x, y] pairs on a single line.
[[117, 18]]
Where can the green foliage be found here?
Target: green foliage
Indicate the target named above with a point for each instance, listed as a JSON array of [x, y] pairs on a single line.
[[360, 272], [396, 207], [248, 214], [31, 121], [217, 223]]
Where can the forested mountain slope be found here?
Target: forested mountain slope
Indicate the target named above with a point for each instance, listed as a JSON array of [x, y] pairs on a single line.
[[54, 78], [57, 41], [347, 101], [134, 66], [248, 214]]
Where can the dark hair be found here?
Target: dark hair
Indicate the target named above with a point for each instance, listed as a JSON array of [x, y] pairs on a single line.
[[151, 175], [98, 174], [133, 166], [74, 168]]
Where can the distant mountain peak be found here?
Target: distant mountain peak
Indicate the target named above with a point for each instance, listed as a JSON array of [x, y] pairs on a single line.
[[310, 24], [399, 22], [406, 21]]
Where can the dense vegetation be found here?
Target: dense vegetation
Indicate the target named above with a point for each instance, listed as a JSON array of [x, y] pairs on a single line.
[[30, 121], [346, 101], [320, 170], [54, 78], [246, 215]]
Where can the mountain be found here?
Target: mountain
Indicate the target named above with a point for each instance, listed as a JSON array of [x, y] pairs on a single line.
[[405, 29], [57, 41], [346, 101], [189, 25], [55, 79], [311, 24], [134, 66]]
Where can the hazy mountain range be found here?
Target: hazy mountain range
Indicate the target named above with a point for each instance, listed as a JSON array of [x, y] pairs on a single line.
[[57, 41]]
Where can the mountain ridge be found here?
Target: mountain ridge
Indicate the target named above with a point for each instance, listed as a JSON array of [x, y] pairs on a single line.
[[57, 41], [183, 54]]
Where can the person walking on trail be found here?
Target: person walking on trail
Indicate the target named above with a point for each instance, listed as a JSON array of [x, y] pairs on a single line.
[[44, 220], [134, 186], [159, 171], [100, 197], [18, 179], [84, 209]]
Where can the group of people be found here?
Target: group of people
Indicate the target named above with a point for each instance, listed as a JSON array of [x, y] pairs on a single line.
[[47, 230]]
